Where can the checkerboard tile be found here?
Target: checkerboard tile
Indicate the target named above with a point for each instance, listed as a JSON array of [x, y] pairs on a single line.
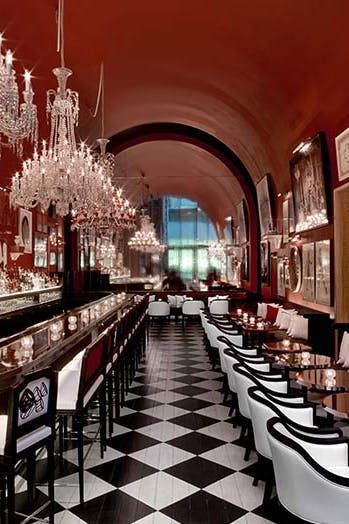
[[174, 456]]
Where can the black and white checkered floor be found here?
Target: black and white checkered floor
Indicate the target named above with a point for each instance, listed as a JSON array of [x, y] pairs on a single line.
[[174, 457]]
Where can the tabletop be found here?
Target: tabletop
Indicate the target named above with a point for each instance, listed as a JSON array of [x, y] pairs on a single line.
[[280, 347], [329, 379], [337, 405], [300, 360]]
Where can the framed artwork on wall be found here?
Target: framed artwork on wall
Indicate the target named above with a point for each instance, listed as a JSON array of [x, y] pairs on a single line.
[[265, 262], [264, 206], [323, 272], [281, 290], [308, 286], [342, 152], [25, 230], [242, 222], [309, 174]]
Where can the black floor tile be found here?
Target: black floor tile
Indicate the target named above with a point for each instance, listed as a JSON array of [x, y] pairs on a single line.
[[193, 421], [62, 468], [22, 505], [122, 471], [130, 443], [115, 507], [137, 420], [145, 390], [199, 472], [191, 391], [192, 404], [147, 379], [189, 379], [141, 403], [189, 370], [196, 443], [203, 508], [186, 362]]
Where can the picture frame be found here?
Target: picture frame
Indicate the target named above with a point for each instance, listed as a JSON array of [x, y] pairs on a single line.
[[242, 219], [294, 270], [264, 206], [323, 272], [308, 268], [310, 177], [281, 283], [25, 229], [265, 262], [342, 154], [285, 224]]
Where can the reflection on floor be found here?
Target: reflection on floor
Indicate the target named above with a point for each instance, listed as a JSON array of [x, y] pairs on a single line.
[[174, 457]]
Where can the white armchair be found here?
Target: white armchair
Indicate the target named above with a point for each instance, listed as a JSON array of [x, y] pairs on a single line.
[[312, 475], [159, 310]]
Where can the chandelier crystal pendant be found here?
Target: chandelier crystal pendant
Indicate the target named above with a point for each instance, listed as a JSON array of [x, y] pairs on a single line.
[[145, 240], [18, 121], [62, 174]]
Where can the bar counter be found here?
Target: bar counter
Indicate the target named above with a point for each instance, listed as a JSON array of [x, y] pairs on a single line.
[[54, 342]]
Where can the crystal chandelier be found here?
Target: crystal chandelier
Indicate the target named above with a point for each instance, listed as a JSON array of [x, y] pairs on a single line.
[[18, 121], [145, 240], [62, 174]]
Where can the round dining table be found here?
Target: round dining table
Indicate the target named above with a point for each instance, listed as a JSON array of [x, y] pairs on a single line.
[[300, 360], [337, 405], [280, 347], [329, 379]]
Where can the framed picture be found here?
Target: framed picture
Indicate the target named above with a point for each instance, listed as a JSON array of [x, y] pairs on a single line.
[[25, 230], [308, 286], [309, 174], [245, 263], [342, 152], [281, 290], [264, 207], [242, 222], [323, 272], [265, 262]]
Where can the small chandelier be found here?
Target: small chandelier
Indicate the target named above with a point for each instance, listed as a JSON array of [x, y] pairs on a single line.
[[145, 240], [18, 121]]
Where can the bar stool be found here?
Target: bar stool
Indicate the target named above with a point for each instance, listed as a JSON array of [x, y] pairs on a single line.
[[28, 426], [79, 383]]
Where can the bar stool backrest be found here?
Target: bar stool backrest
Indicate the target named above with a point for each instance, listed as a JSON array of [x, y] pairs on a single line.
[[92, 369], [32, 408]]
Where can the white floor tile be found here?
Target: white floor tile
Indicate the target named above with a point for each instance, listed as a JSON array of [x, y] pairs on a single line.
[[168, 384], [237, 489], [230, 456], [165, 411], [67, 489], [251, 518], [166, 397], [210, 384], [221, 430], [162, 456], [169, 374], [156, 518], [159, 490], [117, 429], [66, 517], [211, 396], [216, 411], [164, 431], [92, 455], [126, 411]]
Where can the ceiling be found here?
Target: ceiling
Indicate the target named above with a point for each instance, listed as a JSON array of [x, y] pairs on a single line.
[[256, 75]]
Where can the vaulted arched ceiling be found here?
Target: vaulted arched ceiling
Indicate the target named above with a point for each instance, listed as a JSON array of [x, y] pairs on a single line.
[[254, 74]]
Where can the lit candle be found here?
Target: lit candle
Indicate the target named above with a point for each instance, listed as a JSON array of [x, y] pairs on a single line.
[[245, 317], [305, 356], [330, 374], [286, 343], [239, 312], [252, 321], [259, 325], [27, 83], [8, 61]]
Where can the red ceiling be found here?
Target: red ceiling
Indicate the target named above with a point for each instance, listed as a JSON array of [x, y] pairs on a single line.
[[259, 75]]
